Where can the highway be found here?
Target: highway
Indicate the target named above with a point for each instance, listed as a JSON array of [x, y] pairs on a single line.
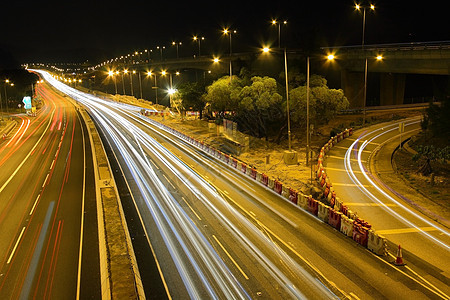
[[352, 166], [216, 233], [44, 181]]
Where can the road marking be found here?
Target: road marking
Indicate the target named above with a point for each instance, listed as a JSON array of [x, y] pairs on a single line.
[[339, 157], [15, 246], [45, 181], [350, 184], [345, 148], [231, 258], [198, 217], [406, 230], [34, 205], [354, 296], [169, 182], [342, 170], [370, 204]]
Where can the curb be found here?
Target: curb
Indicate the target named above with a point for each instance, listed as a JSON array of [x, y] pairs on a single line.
[[120, 277]]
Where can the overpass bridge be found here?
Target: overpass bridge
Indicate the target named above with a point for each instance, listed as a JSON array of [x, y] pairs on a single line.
[[431, 58]]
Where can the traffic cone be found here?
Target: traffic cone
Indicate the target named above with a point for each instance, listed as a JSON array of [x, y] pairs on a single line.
[[399, 260]]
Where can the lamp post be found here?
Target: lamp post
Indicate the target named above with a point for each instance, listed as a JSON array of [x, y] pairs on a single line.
[[358, 7], [6, 94], [111, 74], [198, 39], [150, 74], [140, 83], [131, 81], [267, 50], [275, 22], [226, 31], [176, 44], [125, 71]]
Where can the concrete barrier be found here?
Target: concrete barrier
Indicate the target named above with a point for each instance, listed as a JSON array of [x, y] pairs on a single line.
[[334, 218], [323, 211], [302, 201], [346, 226], [377, 243]]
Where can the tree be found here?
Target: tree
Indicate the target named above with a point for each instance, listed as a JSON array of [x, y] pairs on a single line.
[[324, 103], [192, 97], [259, 104], [224, 96]]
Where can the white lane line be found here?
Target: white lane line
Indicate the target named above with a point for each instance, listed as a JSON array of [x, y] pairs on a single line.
[[15, 246], [231, 258], [190, 207], [45, 181], [34, 205]]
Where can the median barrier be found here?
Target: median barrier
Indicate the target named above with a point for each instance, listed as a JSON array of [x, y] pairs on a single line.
[[313, 206], [346, 225], [234, 163], [360, 234], [227, 159], [302, 201], [285, 192], [376, 243], [243, 167], [271, 183], [293, 196], [248, 171], [258, 177], [338, 204], [264, 179], [334, 218], [253, 173], [278, 186], [323, 211]]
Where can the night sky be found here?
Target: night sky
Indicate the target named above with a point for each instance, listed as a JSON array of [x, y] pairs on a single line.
[[80, 30]]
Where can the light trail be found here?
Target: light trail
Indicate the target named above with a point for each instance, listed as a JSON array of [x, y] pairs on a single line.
[[190, 249], [358, 153]]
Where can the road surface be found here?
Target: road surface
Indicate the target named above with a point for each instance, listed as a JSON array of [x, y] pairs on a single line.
[[216, 233], [44, 184]]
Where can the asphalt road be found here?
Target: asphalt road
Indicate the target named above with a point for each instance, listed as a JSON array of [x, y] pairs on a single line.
[[45, 185], [425, 242], [216, 233]]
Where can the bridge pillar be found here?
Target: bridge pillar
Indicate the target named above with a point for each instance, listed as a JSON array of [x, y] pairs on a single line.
[[352, 84], [392, 88]]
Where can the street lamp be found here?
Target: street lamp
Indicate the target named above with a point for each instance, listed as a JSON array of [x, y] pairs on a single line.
[[176, 44], [198, 39], [6, 95], [111, 74], [267, 50], [161, 50], [363, 7], [150, 74], [125, 71], [226, 31], [275, 22]]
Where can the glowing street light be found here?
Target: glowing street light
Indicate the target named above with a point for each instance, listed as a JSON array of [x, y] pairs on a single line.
[[198, 39], [275, 22], [226, 31], [358, 7], [111, 74]]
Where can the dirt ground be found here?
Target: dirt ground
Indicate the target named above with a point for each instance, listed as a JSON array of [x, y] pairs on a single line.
[[268, 156]]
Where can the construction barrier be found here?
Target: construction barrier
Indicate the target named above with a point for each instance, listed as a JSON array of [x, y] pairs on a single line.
[[243, 167], [264, 179], [234, 163], [302, 201], [360, 234], [285, 192], [253, 173], [346, 225], [313, 206], [271, 183], [278, 186], [334, 218], [376, 243], [259, 177], [323, 211], [293, 196]]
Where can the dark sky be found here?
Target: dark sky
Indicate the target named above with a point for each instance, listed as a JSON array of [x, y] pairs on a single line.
[[43, 31]]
